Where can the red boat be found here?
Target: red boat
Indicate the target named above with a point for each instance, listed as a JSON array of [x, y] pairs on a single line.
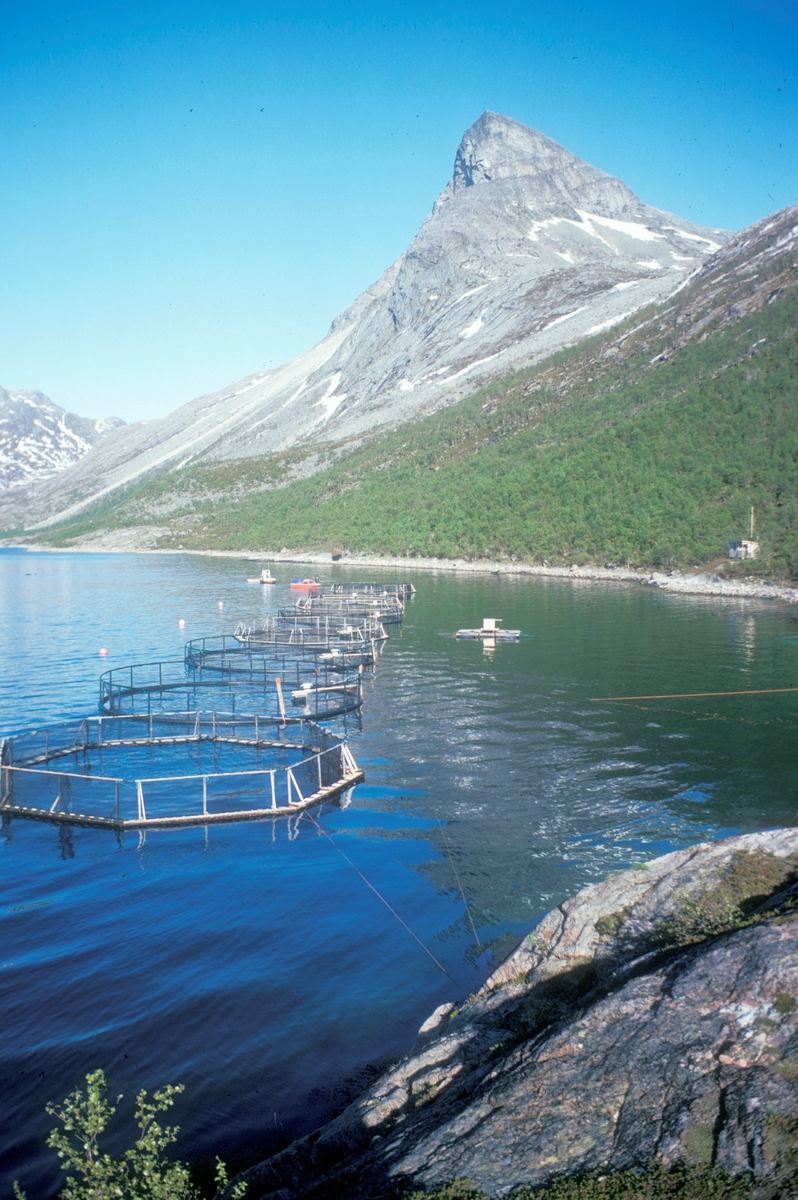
[[306, 585]]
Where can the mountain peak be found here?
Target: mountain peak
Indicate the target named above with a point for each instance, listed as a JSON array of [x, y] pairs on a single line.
[[497, 147]]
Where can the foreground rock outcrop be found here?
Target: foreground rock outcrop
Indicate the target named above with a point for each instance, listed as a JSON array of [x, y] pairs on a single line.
[[653, 1016]]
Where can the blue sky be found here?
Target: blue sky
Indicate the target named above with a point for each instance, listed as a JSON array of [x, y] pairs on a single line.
[[190, 192]]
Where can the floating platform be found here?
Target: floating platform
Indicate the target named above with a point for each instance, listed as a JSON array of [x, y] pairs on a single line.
[[489, 632]]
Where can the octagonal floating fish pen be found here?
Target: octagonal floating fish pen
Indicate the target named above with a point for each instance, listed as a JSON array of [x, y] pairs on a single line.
[[404, 591], [324, 631], [387, 609], [251, 651], [171, 770], [277, 686]]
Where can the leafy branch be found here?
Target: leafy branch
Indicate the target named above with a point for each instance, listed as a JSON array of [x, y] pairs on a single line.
[[141, 1172]]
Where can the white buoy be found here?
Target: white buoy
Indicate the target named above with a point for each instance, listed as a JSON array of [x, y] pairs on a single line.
[[103, 652], [221, 604], [181, 624]]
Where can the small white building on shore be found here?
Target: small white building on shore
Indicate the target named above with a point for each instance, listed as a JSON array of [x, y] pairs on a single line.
[[745, 548]]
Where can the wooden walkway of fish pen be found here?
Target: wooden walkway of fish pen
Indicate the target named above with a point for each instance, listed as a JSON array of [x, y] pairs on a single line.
[[322, 769]]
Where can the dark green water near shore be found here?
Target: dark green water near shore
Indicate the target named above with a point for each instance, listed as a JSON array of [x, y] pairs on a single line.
[[542, 789], [254, 965]]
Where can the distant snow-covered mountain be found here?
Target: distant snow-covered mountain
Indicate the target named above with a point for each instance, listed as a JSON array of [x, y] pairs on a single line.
[[526, 250], [38, 438]]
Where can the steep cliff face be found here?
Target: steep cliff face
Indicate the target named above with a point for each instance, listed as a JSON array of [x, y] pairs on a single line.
[[527, 249], [38, 439], [651, 1016]]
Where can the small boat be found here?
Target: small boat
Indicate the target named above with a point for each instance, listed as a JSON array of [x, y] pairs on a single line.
[[264, 577], [305, 585]]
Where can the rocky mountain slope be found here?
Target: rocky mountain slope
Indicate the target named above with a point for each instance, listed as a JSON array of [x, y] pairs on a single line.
[[38, 439], [527, 249], [644, 445], [652, 1016]]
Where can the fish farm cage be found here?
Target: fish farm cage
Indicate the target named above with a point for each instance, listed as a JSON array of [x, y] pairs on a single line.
[[274, 686], [232, 731], [386, 609], [172, 770], [324, 629], [253, 652], [322, 633], [404, 591]]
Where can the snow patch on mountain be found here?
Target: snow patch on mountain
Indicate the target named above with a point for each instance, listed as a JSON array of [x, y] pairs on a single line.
[[38, 439], [565, 317], [473, 328]]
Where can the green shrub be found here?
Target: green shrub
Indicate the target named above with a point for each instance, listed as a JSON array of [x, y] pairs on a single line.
[[610, 924], [142, 1172]]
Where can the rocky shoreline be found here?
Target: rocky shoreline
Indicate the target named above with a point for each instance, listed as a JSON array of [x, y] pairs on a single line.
[[688, 583], [693, 583], [651, 1017]]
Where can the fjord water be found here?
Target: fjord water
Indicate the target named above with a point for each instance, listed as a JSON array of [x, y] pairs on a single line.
[[251, 962]]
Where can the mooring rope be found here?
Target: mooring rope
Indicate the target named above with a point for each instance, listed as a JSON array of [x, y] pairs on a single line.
[[694, 695], [379, 895], [459, 884], [711, 716]]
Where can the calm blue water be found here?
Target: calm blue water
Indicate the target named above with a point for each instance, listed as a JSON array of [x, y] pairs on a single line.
[[255, 966]]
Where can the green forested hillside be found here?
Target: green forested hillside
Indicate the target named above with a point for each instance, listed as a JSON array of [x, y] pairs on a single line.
[[634, 449]]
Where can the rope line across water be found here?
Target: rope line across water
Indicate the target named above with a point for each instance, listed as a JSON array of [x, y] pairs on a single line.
[[459, 884], [694, 695], [379, 895]]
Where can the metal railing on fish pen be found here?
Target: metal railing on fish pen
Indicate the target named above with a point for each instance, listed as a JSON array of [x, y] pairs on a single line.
[[387, 610], [228, 653], [323, 629], [280, 686], [88, 772], [404, 591], [338, 643], [237, 653]]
